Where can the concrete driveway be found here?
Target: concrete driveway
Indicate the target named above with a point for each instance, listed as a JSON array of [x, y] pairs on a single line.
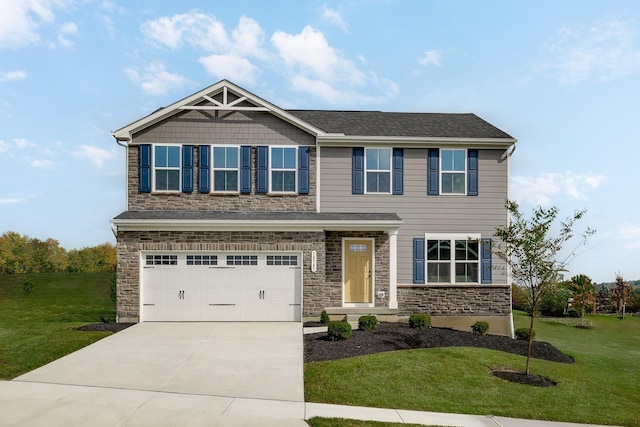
[[245, 360]]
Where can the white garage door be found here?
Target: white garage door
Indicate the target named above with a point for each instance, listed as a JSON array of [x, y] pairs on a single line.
[[221, 286]]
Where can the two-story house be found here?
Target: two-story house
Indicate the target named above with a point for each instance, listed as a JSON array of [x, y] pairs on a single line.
[[238, 210]]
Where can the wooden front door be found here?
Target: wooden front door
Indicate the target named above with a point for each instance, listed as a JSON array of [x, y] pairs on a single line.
[[357, 271]]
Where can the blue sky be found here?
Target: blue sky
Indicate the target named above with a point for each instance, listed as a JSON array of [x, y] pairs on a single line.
[[563, 77]]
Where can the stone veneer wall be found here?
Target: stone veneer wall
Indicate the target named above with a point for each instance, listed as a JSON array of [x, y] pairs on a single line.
[[455, 300], [131, 243], [333, 277], [218, 202]]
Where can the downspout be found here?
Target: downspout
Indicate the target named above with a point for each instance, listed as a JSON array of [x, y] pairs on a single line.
[[508, 155]]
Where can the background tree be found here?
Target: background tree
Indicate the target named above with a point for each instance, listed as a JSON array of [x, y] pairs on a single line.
[[603, 297], [531, 251], [621, 295], [554, 300], [583, 293]]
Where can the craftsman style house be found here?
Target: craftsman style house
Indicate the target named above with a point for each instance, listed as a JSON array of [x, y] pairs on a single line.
[[238, 210]]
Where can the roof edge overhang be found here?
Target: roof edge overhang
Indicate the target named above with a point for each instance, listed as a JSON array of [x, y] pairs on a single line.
[[344, 140], [254, 225], [125, 133]]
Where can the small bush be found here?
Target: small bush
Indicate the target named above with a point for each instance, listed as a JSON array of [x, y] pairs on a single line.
[[573, 313], [368, 323], [324, 317], [480, 328], [114, 288], [523, 334], [339, 331], [28, 286], [420, 320]]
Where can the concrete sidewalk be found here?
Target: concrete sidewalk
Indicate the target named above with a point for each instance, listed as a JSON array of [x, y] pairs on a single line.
[[31, 404]]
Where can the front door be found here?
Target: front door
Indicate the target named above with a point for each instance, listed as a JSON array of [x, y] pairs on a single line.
[[357, 271]]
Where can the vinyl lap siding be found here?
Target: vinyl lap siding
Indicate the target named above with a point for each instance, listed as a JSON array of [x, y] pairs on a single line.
[[421, 213]]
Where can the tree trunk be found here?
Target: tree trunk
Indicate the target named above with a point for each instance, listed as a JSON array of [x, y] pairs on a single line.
[[526, 370]]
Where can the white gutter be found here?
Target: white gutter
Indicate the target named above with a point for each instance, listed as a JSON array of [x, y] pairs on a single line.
[[341, 141]]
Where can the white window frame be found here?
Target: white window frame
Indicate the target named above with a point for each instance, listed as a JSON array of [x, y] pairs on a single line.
[[367, 170], [441, 171], [214, 169], [272, 169], [156, 168], [476, 237]]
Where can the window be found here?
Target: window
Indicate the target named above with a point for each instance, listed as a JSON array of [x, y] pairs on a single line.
[[453, 171], [242, 260], [166, 162], [225, 169], [161, 260], [378, 170], [283, 169], [282, 260], [453, 260], [202, 260]]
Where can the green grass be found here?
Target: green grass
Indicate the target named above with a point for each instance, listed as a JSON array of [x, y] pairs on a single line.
[[602, 387], [342, 422], [38, 328]]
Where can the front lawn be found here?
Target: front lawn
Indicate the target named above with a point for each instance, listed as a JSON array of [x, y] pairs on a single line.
[[602, 387], [39, 327]]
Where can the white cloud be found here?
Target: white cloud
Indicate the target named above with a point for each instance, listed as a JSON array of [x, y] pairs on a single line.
[[223, 66], [12, 200], [67, 29], [334, 17], [431, 57], [631, 235], [97, 156], [3, 146], [41, 163], [23, 143], [20, 20], [194, 28], [541, 189], [600, 51], [155, 79], [13, 75]]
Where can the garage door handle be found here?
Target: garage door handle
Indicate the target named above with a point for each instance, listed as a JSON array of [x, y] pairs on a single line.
[[292, 305]]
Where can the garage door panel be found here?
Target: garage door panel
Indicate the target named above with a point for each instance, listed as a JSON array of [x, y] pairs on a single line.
[[248, 291]]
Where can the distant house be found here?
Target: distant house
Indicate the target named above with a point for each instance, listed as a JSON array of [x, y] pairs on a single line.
[[238, 210]]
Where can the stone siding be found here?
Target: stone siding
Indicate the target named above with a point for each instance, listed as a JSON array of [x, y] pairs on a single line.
[[466, 300], [218, 202]]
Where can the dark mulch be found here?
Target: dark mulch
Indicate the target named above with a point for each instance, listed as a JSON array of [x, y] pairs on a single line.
[[522, 378], [104, 327], [399, 336]]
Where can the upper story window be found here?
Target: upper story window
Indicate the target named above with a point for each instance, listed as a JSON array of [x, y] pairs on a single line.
[[225, 169], [283, 168], [378, 170], [166, 167], [451, 260], [453, 171]]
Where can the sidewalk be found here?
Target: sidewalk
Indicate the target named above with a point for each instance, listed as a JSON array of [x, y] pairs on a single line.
[[29, 404]]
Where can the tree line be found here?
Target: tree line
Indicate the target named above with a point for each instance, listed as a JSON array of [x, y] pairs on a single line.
[[23, 254]]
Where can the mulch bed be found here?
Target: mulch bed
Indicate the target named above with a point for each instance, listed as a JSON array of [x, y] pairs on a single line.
[[522, 378], [399, 336], [104, 327]]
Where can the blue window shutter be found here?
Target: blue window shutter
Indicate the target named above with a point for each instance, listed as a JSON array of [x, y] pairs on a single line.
[[472, 172], [187, 168], [303, 169], [398, 170], [204, 168], [418, 260], [145, 168], [262, 169], [245, 169], [357, 180], [486, 261], [433, 166]]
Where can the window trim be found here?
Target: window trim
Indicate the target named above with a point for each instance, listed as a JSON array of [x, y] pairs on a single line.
[[294, 170], [367, 170], [154, 168], [464, 173], [214, 169], [452, 237]]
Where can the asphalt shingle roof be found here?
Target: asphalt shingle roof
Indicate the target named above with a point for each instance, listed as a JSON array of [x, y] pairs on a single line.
[[256, 216], [378, 123]]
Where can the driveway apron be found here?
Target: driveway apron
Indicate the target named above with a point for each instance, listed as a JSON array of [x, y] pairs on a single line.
[[248, 360]]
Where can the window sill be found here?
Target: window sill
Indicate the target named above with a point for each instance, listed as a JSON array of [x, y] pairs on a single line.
[[283, 194]]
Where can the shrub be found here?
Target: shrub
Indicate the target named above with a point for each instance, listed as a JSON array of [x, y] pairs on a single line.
[[523, 334], [324, 317], [27, 287], [368, 323], [114, 288], [420, 320], [573, 313], [339, 330], [480, 328]]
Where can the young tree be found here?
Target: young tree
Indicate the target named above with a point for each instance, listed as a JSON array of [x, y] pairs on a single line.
[[531, 252], [621, 295], [584, 294]]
